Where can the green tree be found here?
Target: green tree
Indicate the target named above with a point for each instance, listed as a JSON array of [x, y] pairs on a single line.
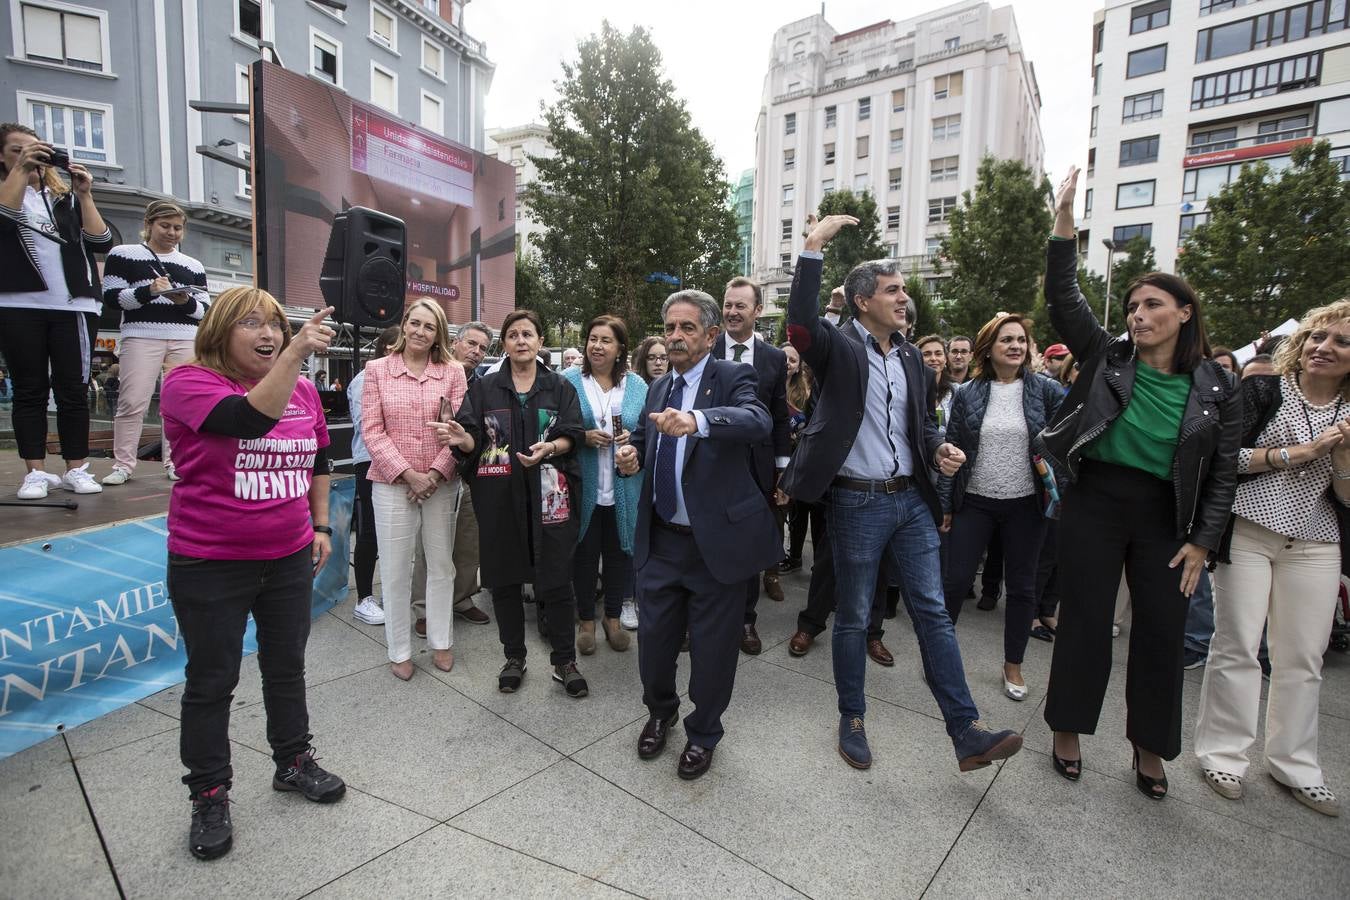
[[1135, 259], [926, 317], [633, 189], [533, 292], [852, 245], [995, 245], [1273, 246]]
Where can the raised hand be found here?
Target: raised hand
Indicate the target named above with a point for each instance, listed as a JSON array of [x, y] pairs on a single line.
[[820, 231], [80, 179], [452, 434], [674, 423], [313, 336], [1064, 198]]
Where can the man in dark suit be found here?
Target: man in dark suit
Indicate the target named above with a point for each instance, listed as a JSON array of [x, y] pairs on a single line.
[[742, 303], [871, 443], [704, 527]]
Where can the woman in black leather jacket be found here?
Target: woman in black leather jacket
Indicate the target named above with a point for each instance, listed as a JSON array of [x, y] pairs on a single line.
[[1148, 440]]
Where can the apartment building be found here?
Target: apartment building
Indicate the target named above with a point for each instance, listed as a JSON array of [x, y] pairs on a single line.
[[517, 146]]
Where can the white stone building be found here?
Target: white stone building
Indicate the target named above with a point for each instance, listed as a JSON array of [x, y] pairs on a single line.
[[515, 145], [904, 109], [1185, 91]]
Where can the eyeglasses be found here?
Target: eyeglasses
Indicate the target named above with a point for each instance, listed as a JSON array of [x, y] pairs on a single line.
[[655, 358], [251, 324]]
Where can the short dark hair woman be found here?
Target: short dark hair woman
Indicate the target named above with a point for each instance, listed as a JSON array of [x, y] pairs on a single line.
[[248, 531], [998, 491], [1148, 440], [525, 488], [50, 299], [649, 359]]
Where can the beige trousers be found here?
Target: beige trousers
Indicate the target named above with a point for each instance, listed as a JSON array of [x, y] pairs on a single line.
[[141, 360]]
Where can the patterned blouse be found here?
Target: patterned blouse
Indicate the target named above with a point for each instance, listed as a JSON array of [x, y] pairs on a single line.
[[396, 406]]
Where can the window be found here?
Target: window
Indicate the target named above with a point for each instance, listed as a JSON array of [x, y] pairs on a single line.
[[829, 154], [248, 19], [940, 208], [787, 229], [1092, 126], [517, 155], [932, 246], [383, 27], [242, 89], [860, 183], [1201, 184], [1123, 233], [831, 115], [947, 127], [897, 144], [945, 86], [1213, 6], [383, 87], [1289, 74], [1092, 160], [898, 100], [951, 43], [790, 123], [1139, 151], [1087, 203], [1098, 37], [64, 37], [1135, 194], [893, 178], [785, 260], [433, 116], [1096, 79], [84, 130], [789, 160], [944, 168], [789, 193], [864, 109], [245, 186], [325, 57], [1286, 129], [1150, 16], [1139, 107], [1271, 29], [432, 56], [799, 50], [864, 146], [1214, 139], [827, 187], [1189, 223], [1146, 61], [892, 218]]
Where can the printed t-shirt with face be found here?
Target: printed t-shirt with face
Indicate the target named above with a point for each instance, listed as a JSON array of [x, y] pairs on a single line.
[[239, 498]]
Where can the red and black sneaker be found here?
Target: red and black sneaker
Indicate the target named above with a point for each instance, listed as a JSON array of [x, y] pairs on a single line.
[[212, 834], [307, 777]]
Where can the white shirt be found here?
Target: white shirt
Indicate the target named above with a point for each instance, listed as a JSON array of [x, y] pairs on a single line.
[[1002, 469], [748, 357], [691, 383], [57, 295], [604, 404]]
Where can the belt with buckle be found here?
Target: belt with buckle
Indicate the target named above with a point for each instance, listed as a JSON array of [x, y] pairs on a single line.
[[889, 486], [671, 526]]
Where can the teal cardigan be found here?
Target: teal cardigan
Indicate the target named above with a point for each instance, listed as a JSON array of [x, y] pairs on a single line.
[[626, 488]]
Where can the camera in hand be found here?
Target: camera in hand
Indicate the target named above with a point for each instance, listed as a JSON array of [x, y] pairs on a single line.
[[59, 158]]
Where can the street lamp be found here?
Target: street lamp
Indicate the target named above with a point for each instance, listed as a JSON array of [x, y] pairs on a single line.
[[1111, 248]]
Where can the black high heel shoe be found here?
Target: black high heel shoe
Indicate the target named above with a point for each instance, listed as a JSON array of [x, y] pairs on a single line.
[[1071, 769], [1149, 787]]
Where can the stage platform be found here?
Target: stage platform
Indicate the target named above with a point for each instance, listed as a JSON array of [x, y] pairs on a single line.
[[147, 494]]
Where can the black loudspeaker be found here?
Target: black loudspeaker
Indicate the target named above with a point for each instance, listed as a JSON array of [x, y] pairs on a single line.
[[364, 274]]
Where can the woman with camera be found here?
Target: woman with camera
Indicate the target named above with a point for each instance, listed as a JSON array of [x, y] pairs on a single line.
[[49, 302], [162, 294]]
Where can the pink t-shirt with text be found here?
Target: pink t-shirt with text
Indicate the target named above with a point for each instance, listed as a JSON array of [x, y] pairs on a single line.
[[239, 498]]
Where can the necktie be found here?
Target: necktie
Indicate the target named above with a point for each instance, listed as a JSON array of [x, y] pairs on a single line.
[[736, 351], [664, 480]]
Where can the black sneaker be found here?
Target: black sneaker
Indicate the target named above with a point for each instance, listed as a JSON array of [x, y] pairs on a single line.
[[571, 680], [790, 564], [212, 834], [508, 682], [309, 778]]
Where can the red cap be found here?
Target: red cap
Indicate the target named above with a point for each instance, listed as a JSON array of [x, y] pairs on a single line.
[[1055, 351]]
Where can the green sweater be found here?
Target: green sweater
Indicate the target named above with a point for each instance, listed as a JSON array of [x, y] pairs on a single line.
[[1145, 435]]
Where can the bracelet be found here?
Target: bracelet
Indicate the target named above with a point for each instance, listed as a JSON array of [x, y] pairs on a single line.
[[1284, 458], [552, 449], [323, 529], [1269, 464], [1339, 474]]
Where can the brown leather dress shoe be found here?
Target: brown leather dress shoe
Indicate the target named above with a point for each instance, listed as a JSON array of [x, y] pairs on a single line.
[[750, 641], [653, 738], [880, 655], [772, 587], [800, 643], [473, 615], [420, 626], [694, 761]]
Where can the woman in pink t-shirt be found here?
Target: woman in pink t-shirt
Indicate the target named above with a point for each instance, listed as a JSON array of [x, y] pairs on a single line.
[[248, 530], [415, 488]]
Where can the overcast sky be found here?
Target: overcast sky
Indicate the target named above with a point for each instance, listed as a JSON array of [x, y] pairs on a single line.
[[716, 53]]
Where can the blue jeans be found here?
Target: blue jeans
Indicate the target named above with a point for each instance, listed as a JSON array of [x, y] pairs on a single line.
[[1200, 616], [862, 526]]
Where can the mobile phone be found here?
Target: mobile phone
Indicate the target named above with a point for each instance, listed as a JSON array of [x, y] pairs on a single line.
[[447, 411], [617, 422]]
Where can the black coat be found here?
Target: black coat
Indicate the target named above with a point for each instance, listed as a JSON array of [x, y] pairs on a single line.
[[1204, 467], [18, 256], [526, 534], [770, 366]]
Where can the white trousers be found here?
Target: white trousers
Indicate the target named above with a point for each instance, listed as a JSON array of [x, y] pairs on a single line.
[[397, 525], [142, 361], [1293, 583]]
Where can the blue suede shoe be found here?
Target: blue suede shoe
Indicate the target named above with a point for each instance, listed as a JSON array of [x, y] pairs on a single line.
[[979, 745], [853, 742]]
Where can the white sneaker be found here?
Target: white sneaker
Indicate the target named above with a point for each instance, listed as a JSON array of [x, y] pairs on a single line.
[[170, 474], [80, 481], [36, 484], [368, 611], [628, 615], [118, 475], [1115, 631]]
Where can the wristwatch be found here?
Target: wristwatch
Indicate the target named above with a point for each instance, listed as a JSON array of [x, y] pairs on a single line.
[[323, 529]]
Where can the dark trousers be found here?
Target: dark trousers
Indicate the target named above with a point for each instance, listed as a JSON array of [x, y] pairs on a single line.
[[751, 587], [1113, 517], [1015, 527], [556, 611], [49, 351], [801, 517], [212, 599], [820, 601], [992, 574], [1047, 572], [601, 542], [678, 594], [367, 549]]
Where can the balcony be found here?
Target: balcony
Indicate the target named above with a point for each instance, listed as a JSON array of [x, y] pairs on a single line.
[[1251, 141]]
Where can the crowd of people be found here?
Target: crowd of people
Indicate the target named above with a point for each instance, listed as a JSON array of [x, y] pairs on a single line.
[[662, 485]]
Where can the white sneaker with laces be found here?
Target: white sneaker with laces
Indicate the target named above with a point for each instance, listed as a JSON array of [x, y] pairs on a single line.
[[118, 475], [36, 484], [80, 481], [368, 610], [171, 474], [628, 615]]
